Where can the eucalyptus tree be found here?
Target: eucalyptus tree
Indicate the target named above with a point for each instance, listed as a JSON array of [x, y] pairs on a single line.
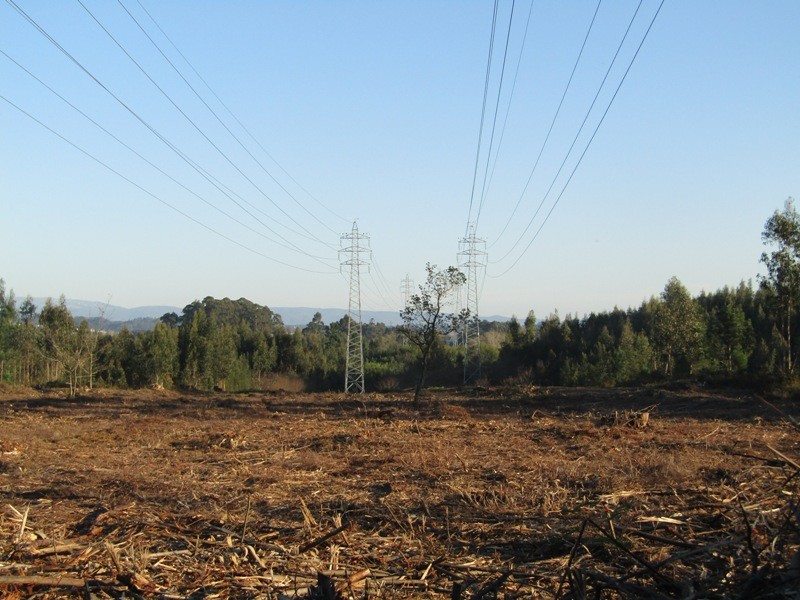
[[161, 348], [782, 234], [8, 316], [678, 328], [66, 346], [28, 339]]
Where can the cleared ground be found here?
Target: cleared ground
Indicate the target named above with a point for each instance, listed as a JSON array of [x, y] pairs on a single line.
[[516, 493]]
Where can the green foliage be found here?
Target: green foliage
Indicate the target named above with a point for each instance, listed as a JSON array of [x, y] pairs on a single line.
[[782, 234], [161, 354], [632, 356], [677, 330], [730, 336], [385, 376], [265, 355], [618, 358], [66, 346], [28, 342], [240, 376], [220, 355], [514, 332], [8, 314], [129, 360], [193, 342]]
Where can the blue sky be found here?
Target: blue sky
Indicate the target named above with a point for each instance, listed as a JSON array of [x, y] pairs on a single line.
[[374, 108]]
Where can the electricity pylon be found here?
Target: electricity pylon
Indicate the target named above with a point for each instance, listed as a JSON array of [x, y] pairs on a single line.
[[353, 246], [461, 336], [406, 288], [472, 256]]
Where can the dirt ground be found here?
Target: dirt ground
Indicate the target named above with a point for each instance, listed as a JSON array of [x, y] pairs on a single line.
[[507, 493]]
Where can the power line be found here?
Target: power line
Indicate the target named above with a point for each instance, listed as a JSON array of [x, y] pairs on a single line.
[[577, 135], [552, 124], [511, 95], [378, 298], [207, 176], [483, 112], [563, 189], [496, 110], [235, 118], [154, 196], [382, 280], [221, 122], [146, 160], [309, 236]]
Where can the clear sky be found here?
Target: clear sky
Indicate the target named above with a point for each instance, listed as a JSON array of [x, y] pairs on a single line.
[[373, 109]]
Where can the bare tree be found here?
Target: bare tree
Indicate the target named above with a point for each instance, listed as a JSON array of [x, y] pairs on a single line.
[[424, 317]]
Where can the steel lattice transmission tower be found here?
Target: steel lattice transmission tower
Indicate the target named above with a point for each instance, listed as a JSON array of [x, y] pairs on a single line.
[[461, 336], [472, 257], [354, 246], [406, 288]]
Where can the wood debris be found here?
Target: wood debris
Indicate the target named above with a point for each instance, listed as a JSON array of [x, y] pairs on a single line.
[[169, 502]]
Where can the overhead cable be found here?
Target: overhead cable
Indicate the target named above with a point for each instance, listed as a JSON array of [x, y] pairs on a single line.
[[157, 198], [235, 118], [483, 114], [552, 124], [376, 287], [577, 135], [494, 120], [309, 235], [220, 121], [382, 279], [210, 178], [511, 96], [589, 143], [150, 163]]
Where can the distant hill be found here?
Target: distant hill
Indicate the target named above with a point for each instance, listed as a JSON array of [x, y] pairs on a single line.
[[144, 318], [111, 312], [297, 316], [302, 315], [138, 324]]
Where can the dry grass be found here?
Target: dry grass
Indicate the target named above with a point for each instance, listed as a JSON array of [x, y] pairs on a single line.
[[516, 493]]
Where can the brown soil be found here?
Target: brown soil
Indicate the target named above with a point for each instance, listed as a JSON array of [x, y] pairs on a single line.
[[513, 493]]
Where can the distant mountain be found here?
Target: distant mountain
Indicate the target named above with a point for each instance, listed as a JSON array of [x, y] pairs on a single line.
[[296, 316], [93, 308], [145, 317], [496, 318], [138, 324], [301, 316]]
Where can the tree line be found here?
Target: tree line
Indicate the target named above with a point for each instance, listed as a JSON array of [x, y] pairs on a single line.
[[736, 333]]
